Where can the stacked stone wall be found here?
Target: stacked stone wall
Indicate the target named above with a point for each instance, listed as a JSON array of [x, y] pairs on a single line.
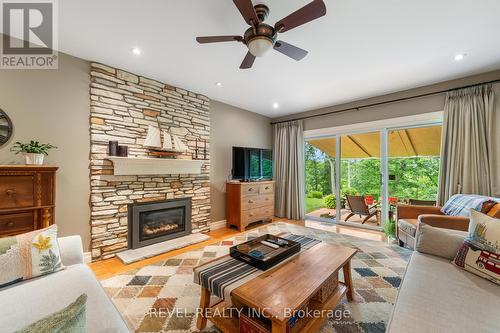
[[122, 105]]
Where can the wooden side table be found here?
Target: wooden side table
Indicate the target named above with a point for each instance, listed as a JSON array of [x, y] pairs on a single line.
[[27, 198]]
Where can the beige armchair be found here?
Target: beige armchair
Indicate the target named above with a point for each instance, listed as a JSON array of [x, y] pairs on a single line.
[[409, 217]]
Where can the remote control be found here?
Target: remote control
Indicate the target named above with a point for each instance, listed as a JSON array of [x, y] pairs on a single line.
[[274, 246]]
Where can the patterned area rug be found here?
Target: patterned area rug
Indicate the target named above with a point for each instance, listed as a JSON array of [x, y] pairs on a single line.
[[163, 298]]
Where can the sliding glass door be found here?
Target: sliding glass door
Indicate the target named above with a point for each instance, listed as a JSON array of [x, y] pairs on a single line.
[[358, 178], [413, 165]]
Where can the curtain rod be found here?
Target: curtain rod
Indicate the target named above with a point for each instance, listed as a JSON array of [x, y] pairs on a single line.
[[382, 103]]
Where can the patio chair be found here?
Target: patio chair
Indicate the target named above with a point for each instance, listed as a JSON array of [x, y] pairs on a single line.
[[358, 206], [415, 202]]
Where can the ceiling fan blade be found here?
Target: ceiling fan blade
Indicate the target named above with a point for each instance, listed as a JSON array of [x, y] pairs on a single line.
[[289, 50], [306, 14], [248, 61], [247, 11], [217, 39]]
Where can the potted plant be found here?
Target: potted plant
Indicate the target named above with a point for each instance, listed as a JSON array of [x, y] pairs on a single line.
[[33, 151], [390, 231]]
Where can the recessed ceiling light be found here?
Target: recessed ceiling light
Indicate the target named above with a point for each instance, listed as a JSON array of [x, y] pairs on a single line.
[[276, 105], [136, 51], [218, 84], [460, 56]]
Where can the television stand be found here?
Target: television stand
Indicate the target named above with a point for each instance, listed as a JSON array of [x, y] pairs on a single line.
[[249, 202]]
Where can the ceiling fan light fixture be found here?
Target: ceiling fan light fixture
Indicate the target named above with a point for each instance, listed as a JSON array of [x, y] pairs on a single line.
[[259, 46]]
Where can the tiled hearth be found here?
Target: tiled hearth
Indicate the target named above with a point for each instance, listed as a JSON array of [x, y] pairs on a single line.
[[122, 107]]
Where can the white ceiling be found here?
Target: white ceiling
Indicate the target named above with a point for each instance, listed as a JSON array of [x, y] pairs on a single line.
[[361, 48]]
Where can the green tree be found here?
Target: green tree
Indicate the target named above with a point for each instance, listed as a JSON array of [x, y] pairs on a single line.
[[317, 171], [414, 177]]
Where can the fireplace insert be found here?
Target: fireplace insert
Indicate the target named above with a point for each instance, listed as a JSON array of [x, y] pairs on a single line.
[[158, 221]]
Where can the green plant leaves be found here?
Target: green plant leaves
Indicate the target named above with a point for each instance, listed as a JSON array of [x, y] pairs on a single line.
[[33, 147]]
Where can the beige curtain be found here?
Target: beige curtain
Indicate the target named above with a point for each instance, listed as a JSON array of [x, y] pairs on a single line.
[[470, 143], [289, 169]]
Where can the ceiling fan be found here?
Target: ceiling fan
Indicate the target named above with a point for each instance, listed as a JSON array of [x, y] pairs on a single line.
[[261, 37]]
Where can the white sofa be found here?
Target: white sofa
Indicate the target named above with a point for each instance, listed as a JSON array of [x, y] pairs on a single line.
[[28, 301], [436, 296]]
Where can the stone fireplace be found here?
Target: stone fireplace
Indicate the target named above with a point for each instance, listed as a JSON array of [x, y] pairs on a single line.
[[154, 222], [122, 106]]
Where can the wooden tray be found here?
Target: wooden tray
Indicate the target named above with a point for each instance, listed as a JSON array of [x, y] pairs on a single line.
[[271, 256]]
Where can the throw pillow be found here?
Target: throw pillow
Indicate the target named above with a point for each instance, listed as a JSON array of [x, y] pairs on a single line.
[[70, 319], [29, 255], [438, 241], [495, 211], [480, 253]]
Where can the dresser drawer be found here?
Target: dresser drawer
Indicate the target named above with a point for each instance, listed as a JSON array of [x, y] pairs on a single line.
[[266, 189], [257, 214], [255, 201], [250, 189], [16, 223], [16, 192]]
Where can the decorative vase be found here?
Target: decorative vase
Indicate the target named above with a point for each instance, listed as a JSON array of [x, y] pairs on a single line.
[[391, 240], [31, 158], [113, 148]]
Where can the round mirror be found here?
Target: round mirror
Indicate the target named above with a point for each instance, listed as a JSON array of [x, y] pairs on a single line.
[[5, 128]]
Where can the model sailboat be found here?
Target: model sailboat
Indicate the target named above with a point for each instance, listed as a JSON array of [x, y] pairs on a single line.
[[171, 143]]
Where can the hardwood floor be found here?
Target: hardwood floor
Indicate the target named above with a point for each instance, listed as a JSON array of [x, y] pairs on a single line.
[[105, 269]]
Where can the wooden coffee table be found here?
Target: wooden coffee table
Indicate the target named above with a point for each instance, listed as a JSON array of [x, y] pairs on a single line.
[[289, 287]]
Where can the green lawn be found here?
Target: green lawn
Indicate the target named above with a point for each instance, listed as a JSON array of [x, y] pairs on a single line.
[[312, 204]]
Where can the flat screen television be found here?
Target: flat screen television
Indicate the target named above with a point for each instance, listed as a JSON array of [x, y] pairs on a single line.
[[251, 164]]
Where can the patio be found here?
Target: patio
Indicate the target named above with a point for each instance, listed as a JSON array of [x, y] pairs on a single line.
[[413, 163], [323, 212]]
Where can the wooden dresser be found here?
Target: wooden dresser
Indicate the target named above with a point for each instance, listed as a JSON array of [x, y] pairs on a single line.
[[249, 202], [27, 198]]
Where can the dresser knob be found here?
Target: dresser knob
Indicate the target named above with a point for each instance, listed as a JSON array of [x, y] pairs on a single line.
[[250, 201], [10, 192], [250, 189], [267, 187], [9, 224]]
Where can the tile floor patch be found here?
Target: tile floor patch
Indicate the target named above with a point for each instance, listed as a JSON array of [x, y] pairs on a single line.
[[150, 291], [395, 281], [364, 272], [173, 262], [158, 280], [139, 280]]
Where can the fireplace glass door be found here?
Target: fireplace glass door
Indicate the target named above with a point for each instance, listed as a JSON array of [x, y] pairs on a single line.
[[159, 223], [155, 222]]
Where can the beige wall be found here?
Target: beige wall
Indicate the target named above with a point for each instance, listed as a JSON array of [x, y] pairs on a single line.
[[231, 126], [392, 110], [53, 106]]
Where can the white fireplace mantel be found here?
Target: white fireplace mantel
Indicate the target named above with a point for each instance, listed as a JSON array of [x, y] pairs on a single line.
[[129, 166]]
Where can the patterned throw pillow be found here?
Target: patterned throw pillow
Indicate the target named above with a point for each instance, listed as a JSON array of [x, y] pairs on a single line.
[[29, 255], [495, 211], [71, 319], [480, 253]]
